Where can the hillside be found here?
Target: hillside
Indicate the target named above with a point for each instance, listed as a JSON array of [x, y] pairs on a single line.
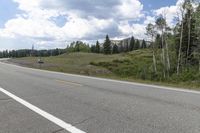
[[132, 66], [78, 63]]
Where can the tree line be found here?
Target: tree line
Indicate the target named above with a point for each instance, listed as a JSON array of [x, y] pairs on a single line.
[[125, 45], [29, 52], [107, 48]]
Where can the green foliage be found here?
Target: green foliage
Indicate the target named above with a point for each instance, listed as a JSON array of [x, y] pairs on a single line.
[[190, 35], [144, 45], [28, 52], [136, 64], [115, 49], [133, 65], [161, 22], [97, 48], [93, 49], [78, 46], [137, 45], [158, 41], [107, 46], [132, 43], [189, 76], [151, 31]]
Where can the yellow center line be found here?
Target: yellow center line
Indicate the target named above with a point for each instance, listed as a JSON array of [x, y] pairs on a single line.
[[69, 83]]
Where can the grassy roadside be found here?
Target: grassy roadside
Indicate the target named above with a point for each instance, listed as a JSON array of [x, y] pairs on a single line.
[[134, 67]]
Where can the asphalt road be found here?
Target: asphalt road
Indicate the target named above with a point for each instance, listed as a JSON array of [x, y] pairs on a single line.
[[93, 105]]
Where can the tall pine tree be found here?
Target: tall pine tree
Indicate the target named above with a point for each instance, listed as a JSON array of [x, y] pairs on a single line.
[[93, 49], [144, 45], [137, 45], [107, 46], [115, 49], [132, 43], [97, 49]]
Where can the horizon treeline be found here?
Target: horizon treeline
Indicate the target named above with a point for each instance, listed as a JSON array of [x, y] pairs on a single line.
[[29, 52], [107, 47]]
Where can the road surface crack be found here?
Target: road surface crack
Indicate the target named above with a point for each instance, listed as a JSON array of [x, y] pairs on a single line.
[[59, 130], [83, 121]]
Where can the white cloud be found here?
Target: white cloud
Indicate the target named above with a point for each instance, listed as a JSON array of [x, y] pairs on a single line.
[[137, 30], [88, 20], [149, 19], [84, 20], [129, 9], [28, 5], [82, 28], [169, 12]]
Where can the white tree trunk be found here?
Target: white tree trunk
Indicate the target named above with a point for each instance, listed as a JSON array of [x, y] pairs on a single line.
[[179, 51], [154, 62], [154, 57], [168, 59], [163, 55]]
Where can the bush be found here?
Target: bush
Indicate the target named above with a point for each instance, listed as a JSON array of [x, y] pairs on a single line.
[[93, 63], [187, 76], [117, 61]]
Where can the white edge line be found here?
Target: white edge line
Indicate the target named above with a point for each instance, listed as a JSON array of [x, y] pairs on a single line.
[[111, 80], [46, 115]]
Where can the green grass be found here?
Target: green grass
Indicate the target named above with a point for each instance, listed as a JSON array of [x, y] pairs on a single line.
[[78, 63], [134, 66]]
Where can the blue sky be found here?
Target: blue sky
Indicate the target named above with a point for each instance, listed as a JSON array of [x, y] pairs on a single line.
[[55, 23], [156, 4], [8, 10]]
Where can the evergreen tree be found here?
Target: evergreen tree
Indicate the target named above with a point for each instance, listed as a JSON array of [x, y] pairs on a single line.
[[132, 43], [144, 45], [115, 49], [97, 49], [197, 24], [107, 46], [189, 35], [126, 46], [137, 45], [93, 49], [57, 52], [77, 46], [197, 31]]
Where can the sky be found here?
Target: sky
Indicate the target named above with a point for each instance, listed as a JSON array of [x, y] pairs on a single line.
[[50, 24]]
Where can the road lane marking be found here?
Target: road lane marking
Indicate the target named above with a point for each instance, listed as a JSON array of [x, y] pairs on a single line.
[[110, 80], [43, 113], [69, 83]]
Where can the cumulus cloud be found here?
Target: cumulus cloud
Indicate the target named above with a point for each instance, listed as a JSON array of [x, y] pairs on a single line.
[[84, 20], [129, 9], [169, 12], [87, 20]]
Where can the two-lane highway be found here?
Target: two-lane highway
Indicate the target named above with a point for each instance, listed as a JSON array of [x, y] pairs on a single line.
[[35, 101]]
